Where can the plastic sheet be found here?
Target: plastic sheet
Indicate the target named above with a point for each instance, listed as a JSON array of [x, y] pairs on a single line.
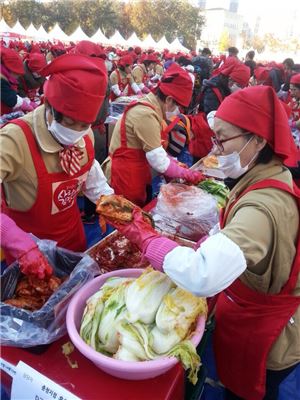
[[185, 211], [23, 328]]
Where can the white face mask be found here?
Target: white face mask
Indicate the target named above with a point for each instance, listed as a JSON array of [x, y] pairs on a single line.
[[230, 166], [36, 75], [234, 88], [65, 136], [170, 114]]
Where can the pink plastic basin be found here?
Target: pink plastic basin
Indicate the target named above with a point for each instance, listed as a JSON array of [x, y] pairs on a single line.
[[130, 370]]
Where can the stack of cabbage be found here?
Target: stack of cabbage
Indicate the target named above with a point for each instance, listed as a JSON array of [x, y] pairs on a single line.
[[143, 319]]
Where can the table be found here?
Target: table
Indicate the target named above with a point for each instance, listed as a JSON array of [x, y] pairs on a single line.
[[90, 383]]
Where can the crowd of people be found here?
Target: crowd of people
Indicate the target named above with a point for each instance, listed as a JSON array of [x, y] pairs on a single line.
[[244, 113]]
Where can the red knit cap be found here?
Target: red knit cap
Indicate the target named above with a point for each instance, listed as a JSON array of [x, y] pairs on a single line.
[[77, 86], [125, 60], [151, 57], [261, 73], [36, 61], [87, 48], [240, 74], [12, 60], [295, 79], [258, 110], [177, 83]]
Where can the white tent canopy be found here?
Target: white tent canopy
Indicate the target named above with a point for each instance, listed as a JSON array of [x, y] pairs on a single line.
[[177, 46], [78, 35], [99, 37], [163, 44], [41, 34], [58, 34], [31, 31], [18, 29], [4, 28], [133, 40], [117, 39], [149, 42]]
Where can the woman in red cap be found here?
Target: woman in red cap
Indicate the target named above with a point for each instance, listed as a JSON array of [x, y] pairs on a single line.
[[143, 71], [11, 68], [31, 81], [234, 77], [135, 145], [253, 259], [121, 79], [47, 156]]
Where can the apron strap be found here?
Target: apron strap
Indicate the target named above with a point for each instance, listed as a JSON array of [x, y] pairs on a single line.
[[170, 127], [35, 151], [218, 94], [89, 147], [123, 127]]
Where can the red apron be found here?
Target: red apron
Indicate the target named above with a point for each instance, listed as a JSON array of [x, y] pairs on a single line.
[[123, 86], [55, 214], [130, 171], [249, 322]]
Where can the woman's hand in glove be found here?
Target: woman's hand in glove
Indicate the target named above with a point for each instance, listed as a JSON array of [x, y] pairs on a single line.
[[176, 171], [18, 245], [153, 246], [138, 231], [35, 263]]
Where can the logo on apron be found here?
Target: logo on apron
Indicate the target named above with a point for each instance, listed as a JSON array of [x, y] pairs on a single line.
[[64, 193]]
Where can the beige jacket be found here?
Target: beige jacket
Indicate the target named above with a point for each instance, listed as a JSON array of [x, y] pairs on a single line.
[[264, 224]]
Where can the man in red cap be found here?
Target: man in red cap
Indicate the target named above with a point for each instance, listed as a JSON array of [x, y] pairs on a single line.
[[11, 68], [135, 145], [253, 259], [47, 156], [31, 81], [121, 80]]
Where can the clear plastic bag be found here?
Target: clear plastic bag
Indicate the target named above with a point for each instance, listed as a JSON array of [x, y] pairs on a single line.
[[22, 328], [185, 211]]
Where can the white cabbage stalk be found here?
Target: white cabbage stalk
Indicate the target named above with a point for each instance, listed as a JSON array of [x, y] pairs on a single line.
[[94, 341], [163, 342], [90, 322], [125, 355], [88, 315], [114, 310], [179, 311], [145, 294], [186, 353], [135, 339]]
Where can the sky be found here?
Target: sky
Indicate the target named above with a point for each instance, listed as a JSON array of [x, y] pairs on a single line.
[[277, 16]]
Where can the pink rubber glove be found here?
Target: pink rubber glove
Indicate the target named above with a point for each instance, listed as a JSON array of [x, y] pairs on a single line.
[[26, 106], [33, 104], [146, 90], [144, 236], [18, 245], [175, 171]]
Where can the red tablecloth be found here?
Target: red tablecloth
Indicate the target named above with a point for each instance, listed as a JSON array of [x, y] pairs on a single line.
[[90, 383]]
